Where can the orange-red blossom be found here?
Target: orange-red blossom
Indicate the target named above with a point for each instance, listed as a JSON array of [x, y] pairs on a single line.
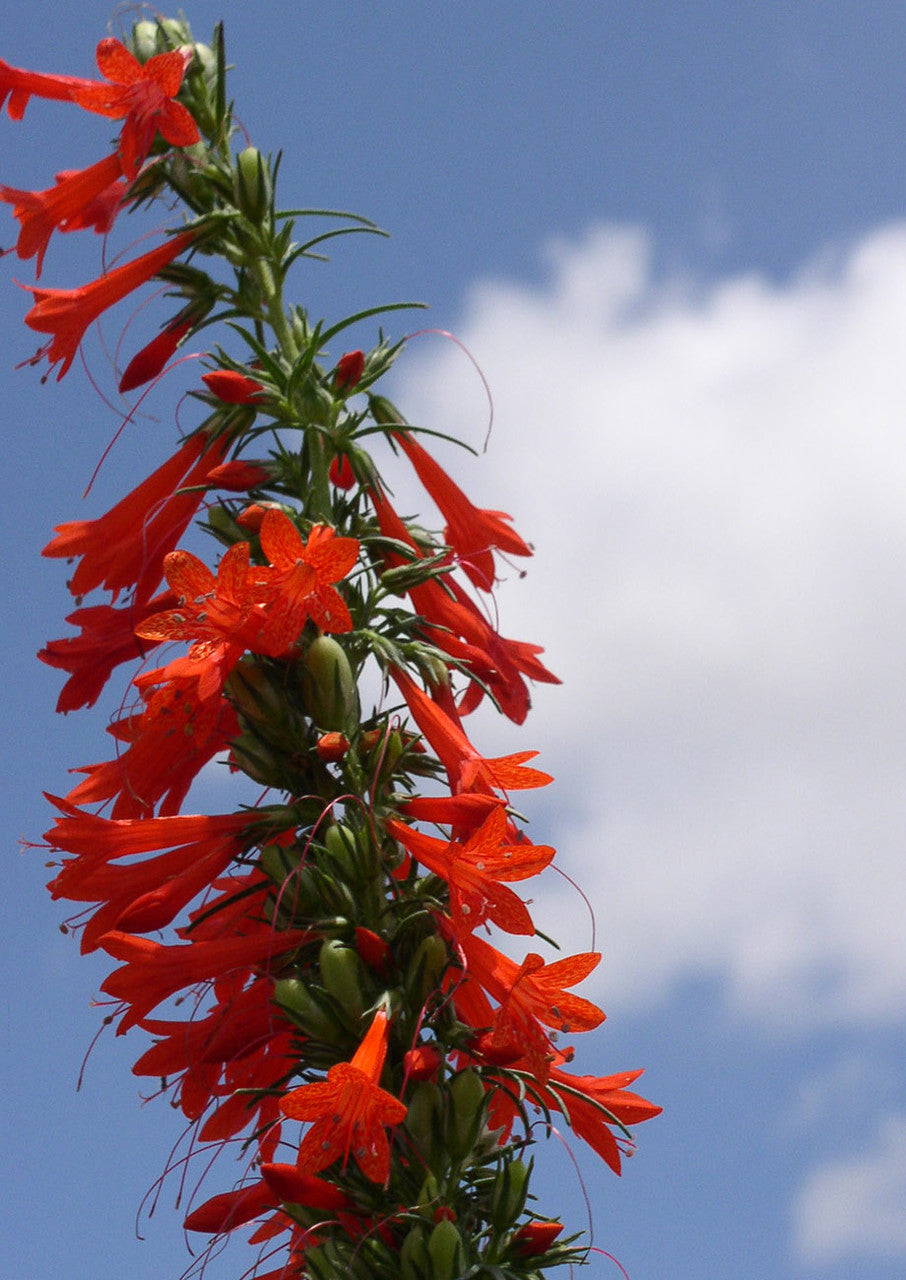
[[66, 313], [143, 97], [349, 1110]]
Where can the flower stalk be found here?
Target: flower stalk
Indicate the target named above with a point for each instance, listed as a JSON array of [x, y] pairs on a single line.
[[324, 975]]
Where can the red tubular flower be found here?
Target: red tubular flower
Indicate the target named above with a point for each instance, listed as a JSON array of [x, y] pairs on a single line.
[[67, 313], [474, 870], [593, 1103], [231, 1209], [242, 1043], [170, 741], [141, 96], [456, 626], [139, 896], [349, 1110], [18, 86], [63, 206], [107, 639], [126, 546], [471, 532], [150, 361], [466, 769], [232, 387], [152, 972]]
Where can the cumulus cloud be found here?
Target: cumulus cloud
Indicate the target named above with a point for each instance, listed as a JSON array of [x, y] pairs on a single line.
[[853, 1208], [714, 473]]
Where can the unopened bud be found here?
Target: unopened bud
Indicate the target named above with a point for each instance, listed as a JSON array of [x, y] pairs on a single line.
[[374, 951], [341, 975], [349, 370], [509, 1193], [252, 185], [423, 1062], [295, 999], [329, 692], [332, 747], [145, 43], [232, 387], [465, 1115], [535, 1238], [415, 1263], [238, 475], [445, 1249]]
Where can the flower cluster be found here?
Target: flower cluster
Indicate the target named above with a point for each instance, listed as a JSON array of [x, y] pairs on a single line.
[[318, 971]]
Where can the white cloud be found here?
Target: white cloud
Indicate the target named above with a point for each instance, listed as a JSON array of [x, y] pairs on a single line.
[[854, 1208], [714, 475]]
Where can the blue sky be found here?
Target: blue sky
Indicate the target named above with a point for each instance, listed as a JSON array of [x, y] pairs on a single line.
[[674, 238]]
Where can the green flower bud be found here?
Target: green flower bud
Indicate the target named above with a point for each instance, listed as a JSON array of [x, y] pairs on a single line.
[[252, 185], [464, 1119], [445, 1249], [256, 759], [329, 692], [423, 1120], [295, 999], [341, 974], [415, 1262], [509, 1193], [176, 31], [144, 40], [426, 969], [277, 863], [385, 413], [429, 1196]]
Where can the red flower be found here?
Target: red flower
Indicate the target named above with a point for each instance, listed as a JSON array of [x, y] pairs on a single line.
[[144, 95], [107, 639], [149, 362], [474, 870], [232, 387], [170, 741], [220, 617], [466, 769], [594, 1103], [455, 624], [63, 206], [21, 85], [67, 313], [126, 546], [302, 586], [153, 972], [242, 1043], [530, 994], [471, 532], [422, 1063], [140, 896], [99, 213], [349, 1110]]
